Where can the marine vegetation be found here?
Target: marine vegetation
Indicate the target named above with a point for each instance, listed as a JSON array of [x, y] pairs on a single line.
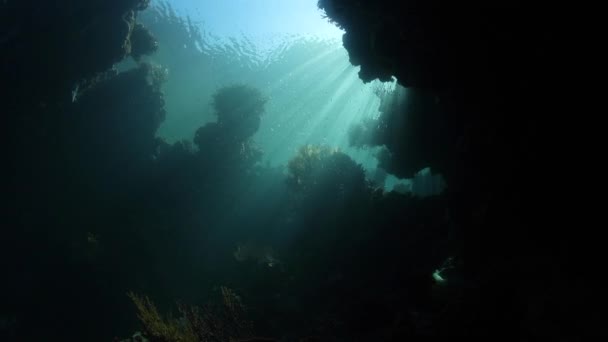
[[239, 105], [142, 42], [316, 168], [239, 109], [157, 327], [224, 322]]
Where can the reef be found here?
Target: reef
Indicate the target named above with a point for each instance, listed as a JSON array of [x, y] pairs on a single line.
[[239, 109], [222, 322], [316, 169], [142, 42], [479, 81], [95, 203], [61, 44]]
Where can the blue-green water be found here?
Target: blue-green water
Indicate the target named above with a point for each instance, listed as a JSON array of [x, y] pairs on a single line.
[[224, 156]]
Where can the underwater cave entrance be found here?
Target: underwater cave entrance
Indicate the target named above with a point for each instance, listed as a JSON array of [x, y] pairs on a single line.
[[286, 49]]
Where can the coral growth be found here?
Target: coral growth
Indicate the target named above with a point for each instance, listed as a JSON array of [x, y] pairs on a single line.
[[235, 103], [218, 324], [142, 42], [157, 327], [228, 141], [239, 108], [321, 167], [212, 323]]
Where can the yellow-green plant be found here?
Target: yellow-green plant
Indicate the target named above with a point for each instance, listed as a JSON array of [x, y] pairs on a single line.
[[165, 329], [224, 323], [325, 169]]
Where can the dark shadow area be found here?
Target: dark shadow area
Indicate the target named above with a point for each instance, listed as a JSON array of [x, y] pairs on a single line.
[[108, 229]]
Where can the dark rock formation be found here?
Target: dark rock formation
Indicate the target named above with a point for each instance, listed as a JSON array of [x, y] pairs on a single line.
[[491, 75]]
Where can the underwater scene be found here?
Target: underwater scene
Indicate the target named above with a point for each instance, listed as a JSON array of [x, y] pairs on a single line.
[[272, 170]]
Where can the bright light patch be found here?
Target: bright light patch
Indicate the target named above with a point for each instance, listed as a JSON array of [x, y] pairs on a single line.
[[261, 19], [315, 94]]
